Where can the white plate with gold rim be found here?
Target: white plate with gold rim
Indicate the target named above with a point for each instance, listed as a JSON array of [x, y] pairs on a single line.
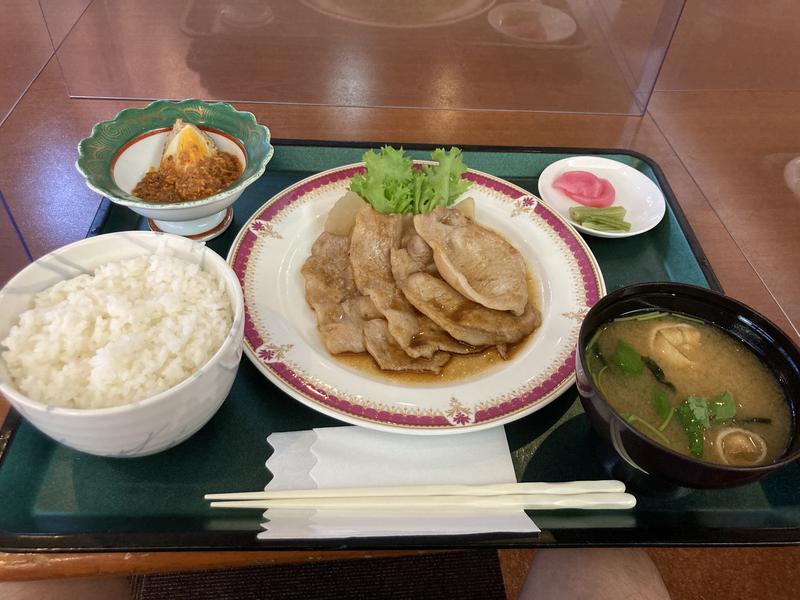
[[282, 340]]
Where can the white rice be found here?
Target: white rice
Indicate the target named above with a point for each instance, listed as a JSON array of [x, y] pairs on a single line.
[[133, 329]]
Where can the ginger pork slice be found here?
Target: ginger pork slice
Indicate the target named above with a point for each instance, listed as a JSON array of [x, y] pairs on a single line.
[[373, 238], [475, 261], [330, 290]]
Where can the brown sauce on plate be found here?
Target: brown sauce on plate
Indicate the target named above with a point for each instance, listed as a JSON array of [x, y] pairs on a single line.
[[458, 368]]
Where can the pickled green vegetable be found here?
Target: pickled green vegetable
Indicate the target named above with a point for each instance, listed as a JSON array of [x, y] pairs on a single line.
[[600, 219]]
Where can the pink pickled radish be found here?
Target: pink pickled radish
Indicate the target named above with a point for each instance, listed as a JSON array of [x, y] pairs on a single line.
[[586, 188]]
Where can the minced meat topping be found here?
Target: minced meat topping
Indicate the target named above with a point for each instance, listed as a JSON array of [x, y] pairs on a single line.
[[208, 176]]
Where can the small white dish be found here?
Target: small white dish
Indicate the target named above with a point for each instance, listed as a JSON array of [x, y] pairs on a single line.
[[640, 196]]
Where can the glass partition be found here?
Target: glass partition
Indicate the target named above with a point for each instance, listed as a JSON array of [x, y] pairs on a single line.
[[585, 56]]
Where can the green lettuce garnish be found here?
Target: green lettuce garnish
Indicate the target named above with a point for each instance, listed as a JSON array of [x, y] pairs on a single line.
[[392, 185]]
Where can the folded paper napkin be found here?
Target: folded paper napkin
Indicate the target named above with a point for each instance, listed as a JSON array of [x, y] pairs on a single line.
[[336, 457]]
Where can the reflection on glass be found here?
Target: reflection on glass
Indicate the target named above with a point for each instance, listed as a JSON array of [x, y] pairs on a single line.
[[216, 17], [533, 21], [590, 56], [402, 14]]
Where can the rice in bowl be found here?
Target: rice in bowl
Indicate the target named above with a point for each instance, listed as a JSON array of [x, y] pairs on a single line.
[[132, 329]]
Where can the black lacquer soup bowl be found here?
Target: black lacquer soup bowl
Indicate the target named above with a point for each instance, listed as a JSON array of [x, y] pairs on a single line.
[[775, 349]]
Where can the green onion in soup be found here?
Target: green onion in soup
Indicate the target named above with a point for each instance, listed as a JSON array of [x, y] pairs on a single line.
[[690, 386]]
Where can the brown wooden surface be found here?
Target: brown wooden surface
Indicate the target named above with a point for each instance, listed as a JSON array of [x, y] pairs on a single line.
[[723, 125], [29, 566], [25, 48]]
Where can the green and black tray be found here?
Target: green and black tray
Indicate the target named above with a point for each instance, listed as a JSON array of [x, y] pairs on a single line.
[[56, 499]]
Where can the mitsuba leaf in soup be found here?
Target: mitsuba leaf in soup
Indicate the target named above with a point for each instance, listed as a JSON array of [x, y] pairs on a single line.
[[627, 359], [661, 403], [695, 430], [722, 407]]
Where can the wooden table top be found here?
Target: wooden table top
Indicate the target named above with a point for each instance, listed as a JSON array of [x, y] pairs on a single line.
[[695, 139]]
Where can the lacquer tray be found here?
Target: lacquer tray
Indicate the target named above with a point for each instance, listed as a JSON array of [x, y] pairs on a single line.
[[56, 499]]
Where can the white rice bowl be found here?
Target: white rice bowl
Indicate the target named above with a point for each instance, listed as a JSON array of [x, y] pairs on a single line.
[[133, 329], [130, 360]]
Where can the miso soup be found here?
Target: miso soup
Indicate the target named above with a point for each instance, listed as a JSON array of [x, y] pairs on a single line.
[[691, 387]]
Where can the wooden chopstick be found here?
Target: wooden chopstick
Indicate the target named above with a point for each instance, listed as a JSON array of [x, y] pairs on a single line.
[[498, 489], [586, 501]]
